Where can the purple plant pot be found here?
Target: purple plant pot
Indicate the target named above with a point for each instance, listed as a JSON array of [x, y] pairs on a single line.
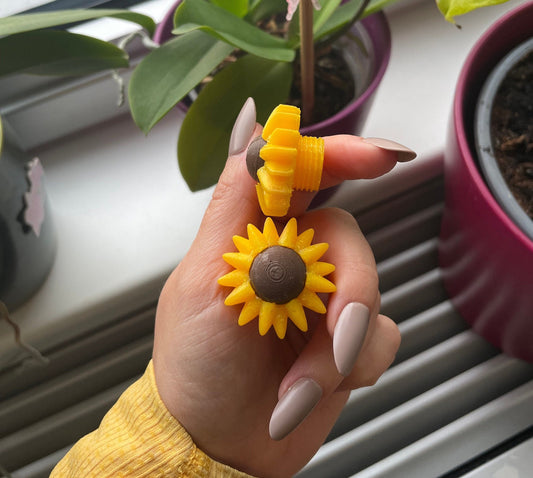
[[163, 31], [376, 36], [486, 260]]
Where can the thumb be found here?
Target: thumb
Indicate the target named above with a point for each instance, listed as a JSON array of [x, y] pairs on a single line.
[[234, 201]]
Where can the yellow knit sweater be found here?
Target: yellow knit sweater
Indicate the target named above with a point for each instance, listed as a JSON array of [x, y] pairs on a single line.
[[139, 438]]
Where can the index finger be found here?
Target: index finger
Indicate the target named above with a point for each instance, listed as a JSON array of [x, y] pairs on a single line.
[[352, 157]]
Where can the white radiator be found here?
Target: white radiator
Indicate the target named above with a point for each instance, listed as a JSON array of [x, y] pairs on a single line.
[[451, 404]]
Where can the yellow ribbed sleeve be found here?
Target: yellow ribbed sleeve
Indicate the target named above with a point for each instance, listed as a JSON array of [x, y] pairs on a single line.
[[139, 438]]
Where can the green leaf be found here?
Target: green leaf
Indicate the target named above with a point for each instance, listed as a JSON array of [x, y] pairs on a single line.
[[237, 7], [343, 17], [54, 52], [322, 16], [376, 6], [168, 73], [262, 9], [205, 133], [201, 15], [452, 8], [36, 21]]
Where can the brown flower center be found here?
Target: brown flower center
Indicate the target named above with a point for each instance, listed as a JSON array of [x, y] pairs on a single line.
[[278, 274]]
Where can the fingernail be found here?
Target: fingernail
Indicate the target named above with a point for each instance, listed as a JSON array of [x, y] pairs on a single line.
[[243, 128], [404, 154], [297, 403], [349, 335]]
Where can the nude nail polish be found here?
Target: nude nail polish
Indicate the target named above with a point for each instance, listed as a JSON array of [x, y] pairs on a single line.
[[243, 128], [349, 335], [404, 153], [292, 409]]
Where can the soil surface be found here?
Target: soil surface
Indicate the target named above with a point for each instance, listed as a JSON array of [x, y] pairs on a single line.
[[512, 131], [334, 84]]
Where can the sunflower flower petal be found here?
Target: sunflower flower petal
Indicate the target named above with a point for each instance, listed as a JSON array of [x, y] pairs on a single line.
[[310, 300], [250, 311], [297, 314], [289, 235], [270, 232], [240, 294], [240, 261], [312, 253], [234, 278], [318, 283]]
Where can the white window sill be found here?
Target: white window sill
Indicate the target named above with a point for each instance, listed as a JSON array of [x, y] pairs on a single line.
[[125, 218]]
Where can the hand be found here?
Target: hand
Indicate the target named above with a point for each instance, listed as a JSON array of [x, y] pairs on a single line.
[[221, 381]]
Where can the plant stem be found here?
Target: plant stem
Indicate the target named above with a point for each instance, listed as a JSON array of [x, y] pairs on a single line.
[[307, 60]]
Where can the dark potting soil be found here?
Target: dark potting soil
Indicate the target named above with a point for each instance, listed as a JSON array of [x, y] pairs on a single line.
[[334, 84], [512, 131]]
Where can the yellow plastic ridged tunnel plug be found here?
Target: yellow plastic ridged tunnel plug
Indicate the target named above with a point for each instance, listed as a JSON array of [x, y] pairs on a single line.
[[282, 160]]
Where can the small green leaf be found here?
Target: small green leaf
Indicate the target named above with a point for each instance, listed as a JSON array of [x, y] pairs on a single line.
[[342, 18], [453, 8], [36, 21], [54, 52], [376, 6], [168, 73], [205, 132], [322, 16], [201, 15], [262, 9], [237, 7]]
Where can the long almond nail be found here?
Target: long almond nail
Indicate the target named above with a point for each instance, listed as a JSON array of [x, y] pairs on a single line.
[[404, 153], [349, 336], [243, 128], [292, 409]]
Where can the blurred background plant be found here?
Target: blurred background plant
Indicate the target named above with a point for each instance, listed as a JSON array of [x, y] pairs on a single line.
[[224, 51]]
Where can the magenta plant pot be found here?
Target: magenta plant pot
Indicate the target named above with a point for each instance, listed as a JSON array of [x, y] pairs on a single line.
[[375, 34], [486, 260]]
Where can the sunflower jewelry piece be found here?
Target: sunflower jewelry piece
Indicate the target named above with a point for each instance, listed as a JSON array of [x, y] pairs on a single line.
[[281, 160], [276, 275]]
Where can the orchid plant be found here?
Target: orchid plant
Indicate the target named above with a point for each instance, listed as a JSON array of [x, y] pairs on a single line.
[[260, 65], [208, 33]]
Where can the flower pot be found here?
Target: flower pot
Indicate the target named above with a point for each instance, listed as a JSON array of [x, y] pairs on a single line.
[[486, 259], [368, 70], [27, 235], [487, 147]]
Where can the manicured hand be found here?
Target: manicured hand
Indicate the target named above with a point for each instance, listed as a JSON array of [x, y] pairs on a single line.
[[257, 403]]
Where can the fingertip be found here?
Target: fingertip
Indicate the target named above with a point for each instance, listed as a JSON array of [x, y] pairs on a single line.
[[353, 157], [403, 153], [243, 128], [349, 335]]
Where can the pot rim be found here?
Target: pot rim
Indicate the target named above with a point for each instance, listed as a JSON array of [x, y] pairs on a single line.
[[483, 138], [464, 83]]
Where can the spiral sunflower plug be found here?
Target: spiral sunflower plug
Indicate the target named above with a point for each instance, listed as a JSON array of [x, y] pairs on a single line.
[[282, 160]]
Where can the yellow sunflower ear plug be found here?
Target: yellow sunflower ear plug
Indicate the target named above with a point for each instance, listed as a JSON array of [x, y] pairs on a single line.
[[277, 275], [282, 160]]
